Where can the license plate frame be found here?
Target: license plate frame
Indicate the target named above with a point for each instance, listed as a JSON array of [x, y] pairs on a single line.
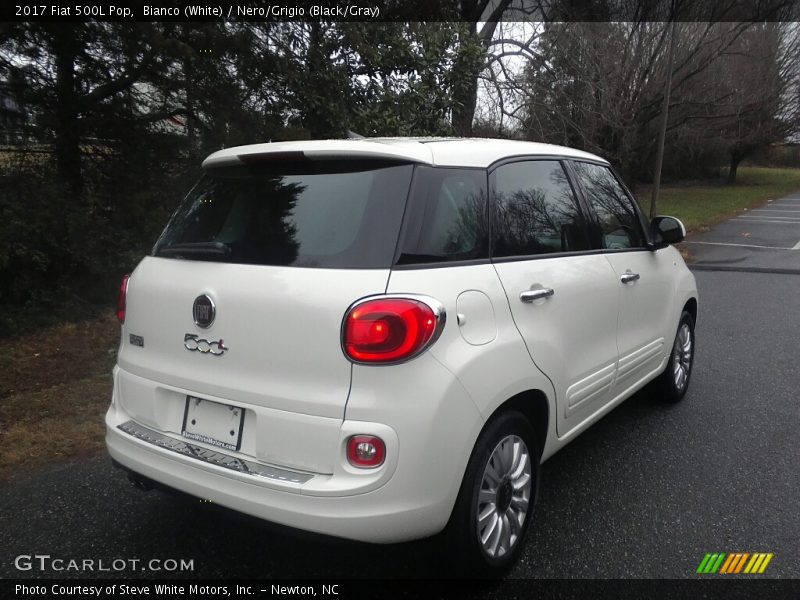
[[213, 423]]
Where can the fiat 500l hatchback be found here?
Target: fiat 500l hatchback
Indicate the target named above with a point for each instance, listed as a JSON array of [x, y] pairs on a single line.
[[382, 339]]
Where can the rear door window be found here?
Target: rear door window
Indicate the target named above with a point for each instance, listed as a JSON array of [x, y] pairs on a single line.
[[536, 211], [327, 214]]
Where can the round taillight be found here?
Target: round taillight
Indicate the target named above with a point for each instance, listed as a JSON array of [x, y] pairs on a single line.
[[386, 330], [365, 451]]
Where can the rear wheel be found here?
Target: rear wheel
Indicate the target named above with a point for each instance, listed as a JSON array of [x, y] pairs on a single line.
[[494, 507], [673, 383]]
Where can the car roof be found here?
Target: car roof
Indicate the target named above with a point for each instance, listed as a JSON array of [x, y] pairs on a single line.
[[439, 151]]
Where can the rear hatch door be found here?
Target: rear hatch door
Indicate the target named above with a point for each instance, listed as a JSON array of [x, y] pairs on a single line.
[[244, 294]]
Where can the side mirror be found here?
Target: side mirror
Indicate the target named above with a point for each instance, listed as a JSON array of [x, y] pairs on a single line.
[[665, 231]]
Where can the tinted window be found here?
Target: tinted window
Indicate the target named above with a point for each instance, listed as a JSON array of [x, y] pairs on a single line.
[[618, 220], [536, 211], [327, 214], [447, 219]]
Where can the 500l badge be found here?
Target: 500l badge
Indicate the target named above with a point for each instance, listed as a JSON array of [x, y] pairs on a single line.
[[203, 346]]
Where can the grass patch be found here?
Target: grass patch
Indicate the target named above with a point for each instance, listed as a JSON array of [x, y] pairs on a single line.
[[703, 204], [54, 389]]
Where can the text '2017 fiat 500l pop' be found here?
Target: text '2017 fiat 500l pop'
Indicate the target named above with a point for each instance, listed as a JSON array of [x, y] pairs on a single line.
[[382, 339]]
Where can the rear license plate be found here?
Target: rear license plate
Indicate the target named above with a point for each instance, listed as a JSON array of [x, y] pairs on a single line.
[[213, 423]]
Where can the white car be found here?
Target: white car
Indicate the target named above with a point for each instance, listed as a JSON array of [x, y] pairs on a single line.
[[382, 339]]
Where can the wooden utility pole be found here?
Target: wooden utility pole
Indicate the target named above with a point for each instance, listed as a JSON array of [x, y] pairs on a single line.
[[662, 134]]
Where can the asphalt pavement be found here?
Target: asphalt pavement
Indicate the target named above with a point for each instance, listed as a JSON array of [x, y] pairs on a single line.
[[645, 493], [766, 238]]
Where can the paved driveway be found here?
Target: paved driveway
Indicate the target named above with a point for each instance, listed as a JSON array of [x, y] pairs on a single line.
[[764, 238]]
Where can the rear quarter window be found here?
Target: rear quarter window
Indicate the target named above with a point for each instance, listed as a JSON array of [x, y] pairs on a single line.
[[447, 218]]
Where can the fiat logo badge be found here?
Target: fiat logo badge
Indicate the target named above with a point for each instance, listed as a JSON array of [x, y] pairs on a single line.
[[203, 311]]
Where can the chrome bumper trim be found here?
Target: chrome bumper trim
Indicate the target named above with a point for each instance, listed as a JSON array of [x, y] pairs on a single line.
[[210, 456]]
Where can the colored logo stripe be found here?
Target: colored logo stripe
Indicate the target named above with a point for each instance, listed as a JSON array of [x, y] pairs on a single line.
[[734, 562], [726, 565], [759, 562], [711, 563]]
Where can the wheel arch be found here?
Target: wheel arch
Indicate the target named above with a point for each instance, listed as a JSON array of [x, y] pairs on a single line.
[[534, 406], [531, 404], [691, 307]]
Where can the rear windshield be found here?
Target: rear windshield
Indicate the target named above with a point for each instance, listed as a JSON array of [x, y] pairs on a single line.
[[326, 214]]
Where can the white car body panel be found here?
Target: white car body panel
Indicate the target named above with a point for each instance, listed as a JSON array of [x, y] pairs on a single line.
[[645, 329], [268, 317], [505, 356], [571, 336]]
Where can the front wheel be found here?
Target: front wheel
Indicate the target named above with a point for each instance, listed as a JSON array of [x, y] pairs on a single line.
[[494, 506], [673, 383]]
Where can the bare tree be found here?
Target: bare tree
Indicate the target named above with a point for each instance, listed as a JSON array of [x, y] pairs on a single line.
[[761, 78], [599, 86]]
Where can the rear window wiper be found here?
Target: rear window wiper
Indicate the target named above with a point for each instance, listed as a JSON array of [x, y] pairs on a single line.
[[191, 249]]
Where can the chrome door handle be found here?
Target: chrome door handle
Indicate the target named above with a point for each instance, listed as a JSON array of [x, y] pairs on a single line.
[[540, 294], [629, 277]]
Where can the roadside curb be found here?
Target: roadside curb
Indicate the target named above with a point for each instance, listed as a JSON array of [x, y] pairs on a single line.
[[702, 267]]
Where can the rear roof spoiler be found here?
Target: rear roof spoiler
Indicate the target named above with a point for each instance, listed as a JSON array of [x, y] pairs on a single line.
[[320, 150]]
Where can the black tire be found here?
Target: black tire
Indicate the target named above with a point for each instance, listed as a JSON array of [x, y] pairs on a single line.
[[462, 533], [668, 386]]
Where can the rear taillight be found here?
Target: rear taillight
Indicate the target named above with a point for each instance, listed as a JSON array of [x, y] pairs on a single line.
[[365, 451], [389, 330], [123, 291]]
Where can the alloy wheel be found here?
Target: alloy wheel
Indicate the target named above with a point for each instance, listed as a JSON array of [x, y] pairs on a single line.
[[504, 496], [682, 357]]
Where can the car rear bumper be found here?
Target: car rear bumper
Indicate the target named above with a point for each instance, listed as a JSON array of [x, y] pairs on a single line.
[[384, 505], [410, 496], [373, 517]]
